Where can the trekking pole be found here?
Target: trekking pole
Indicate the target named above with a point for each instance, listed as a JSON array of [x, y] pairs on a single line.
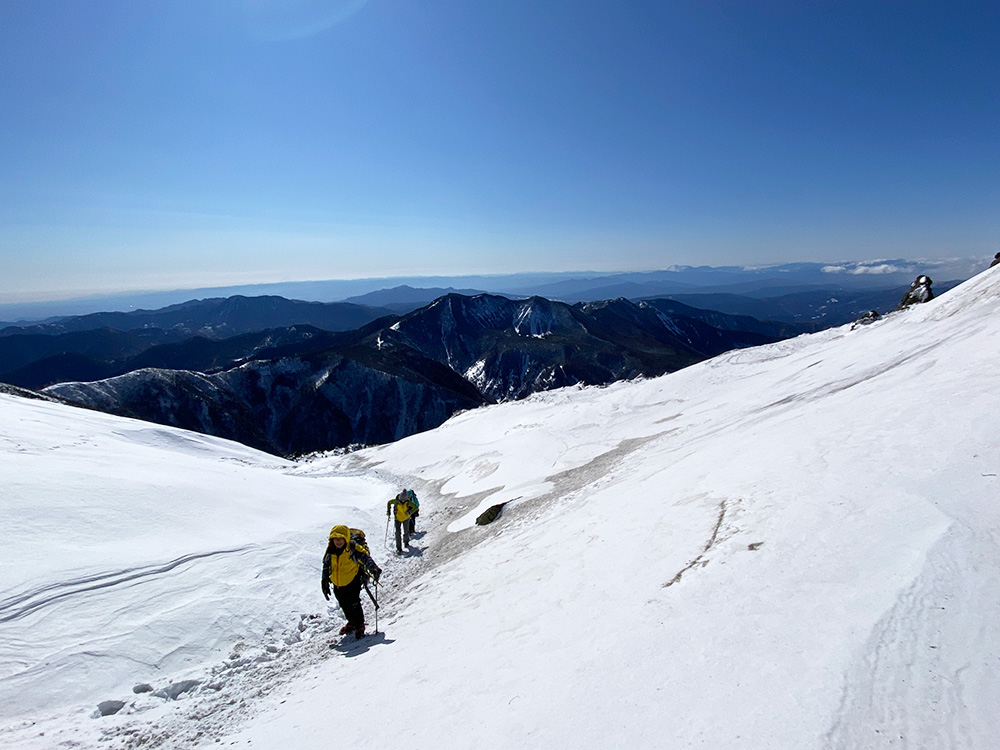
[[374, 600], [385, 542]]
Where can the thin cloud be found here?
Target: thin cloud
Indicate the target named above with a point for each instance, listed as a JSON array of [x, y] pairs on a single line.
[[285, 20]]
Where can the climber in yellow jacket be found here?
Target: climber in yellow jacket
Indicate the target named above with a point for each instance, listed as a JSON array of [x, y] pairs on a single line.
[[345, 563], [404, 511]]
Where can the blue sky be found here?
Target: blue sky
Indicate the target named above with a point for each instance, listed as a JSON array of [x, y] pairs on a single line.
[[192, 143]]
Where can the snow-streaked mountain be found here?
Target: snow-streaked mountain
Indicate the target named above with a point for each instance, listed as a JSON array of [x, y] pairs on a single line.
[[790, 546], [39, 360], [320, 391], [510, 349], [290, 404]]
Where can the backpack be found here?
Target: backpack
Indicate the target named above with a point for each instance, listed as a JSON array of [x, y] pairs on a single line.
[[358, 542], [412, 503]]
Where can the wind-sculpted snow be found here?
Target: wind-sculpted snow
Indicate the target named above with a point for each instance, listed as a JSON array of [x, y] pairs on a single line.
[[25, 603], [795, 546], [922, 676]]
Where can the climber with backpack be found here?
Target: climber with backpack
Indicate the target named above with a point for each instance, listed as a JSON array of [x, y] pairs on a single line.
[[411, 498], [347, 565], [403, 513]]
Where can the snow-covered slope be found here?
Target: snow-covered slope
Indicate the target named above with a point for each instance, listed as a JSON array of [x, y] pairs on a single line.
[[132, 552], [793, 546]]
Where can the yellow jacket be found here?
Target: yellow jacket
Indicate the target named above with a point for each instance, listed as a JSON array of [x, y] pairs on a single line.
[[402, 508], [342, 567]]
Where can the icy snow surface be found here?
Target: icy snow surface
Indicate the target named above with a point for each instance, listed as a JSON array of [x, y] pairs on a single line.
[[793, 546]]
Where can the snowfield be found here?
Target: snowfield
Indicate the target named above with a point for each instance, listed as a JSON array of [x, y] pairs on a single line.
[[792, 546]]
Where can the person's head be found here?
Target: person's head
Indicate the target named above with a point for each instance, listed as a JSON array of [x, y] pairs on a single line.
[[339, 537]]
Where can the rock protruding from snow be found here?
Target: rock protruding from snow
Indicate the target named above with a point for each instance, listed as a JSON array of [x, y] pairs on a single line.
[[108, 708], [176, 689]]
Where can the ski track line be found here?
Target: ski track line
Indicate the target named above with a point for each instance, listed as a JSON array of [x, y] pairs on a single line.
[[21, 605], [700, 559]]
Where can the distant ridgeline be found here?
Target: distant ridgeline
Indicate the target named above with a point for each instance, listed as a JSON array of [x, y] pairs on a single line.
[[292, 377]]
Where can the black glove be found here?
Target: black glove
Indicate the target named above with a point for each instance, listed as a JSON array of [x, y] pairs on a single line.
[[326, 589], [377, 574], [388, 512]]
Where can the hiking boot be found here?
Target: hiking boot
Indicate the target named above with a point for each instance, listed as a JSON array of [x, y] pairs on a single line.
[[359, 632], [346, 629]]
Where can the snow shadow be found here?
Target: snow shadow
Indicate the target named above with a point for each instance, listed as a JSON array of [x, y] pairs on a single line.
[[350, 646]]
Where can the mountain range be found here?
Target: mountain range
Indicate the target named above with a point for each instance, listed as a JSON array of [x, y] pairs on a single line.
[[101, 345], [810, 308], [569, 286], [289, 376], [301, 389], [213, 318]]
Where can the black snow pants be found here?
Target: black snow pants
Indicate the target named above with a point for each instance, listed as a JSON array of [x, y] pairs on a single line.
[[349, 598]]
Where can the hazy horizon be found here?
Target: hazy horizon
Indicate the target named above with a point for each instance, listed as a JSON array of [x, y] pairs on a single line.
[[858, 272]]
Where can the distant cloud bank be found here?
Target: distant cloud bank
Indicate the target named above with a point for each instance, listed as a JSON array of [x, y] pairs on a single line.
[[952, 268], [881, 268]]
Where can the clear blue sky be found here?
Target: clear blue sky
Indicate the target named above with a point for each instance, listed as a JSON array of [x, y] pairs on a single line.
[[189, 143]]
